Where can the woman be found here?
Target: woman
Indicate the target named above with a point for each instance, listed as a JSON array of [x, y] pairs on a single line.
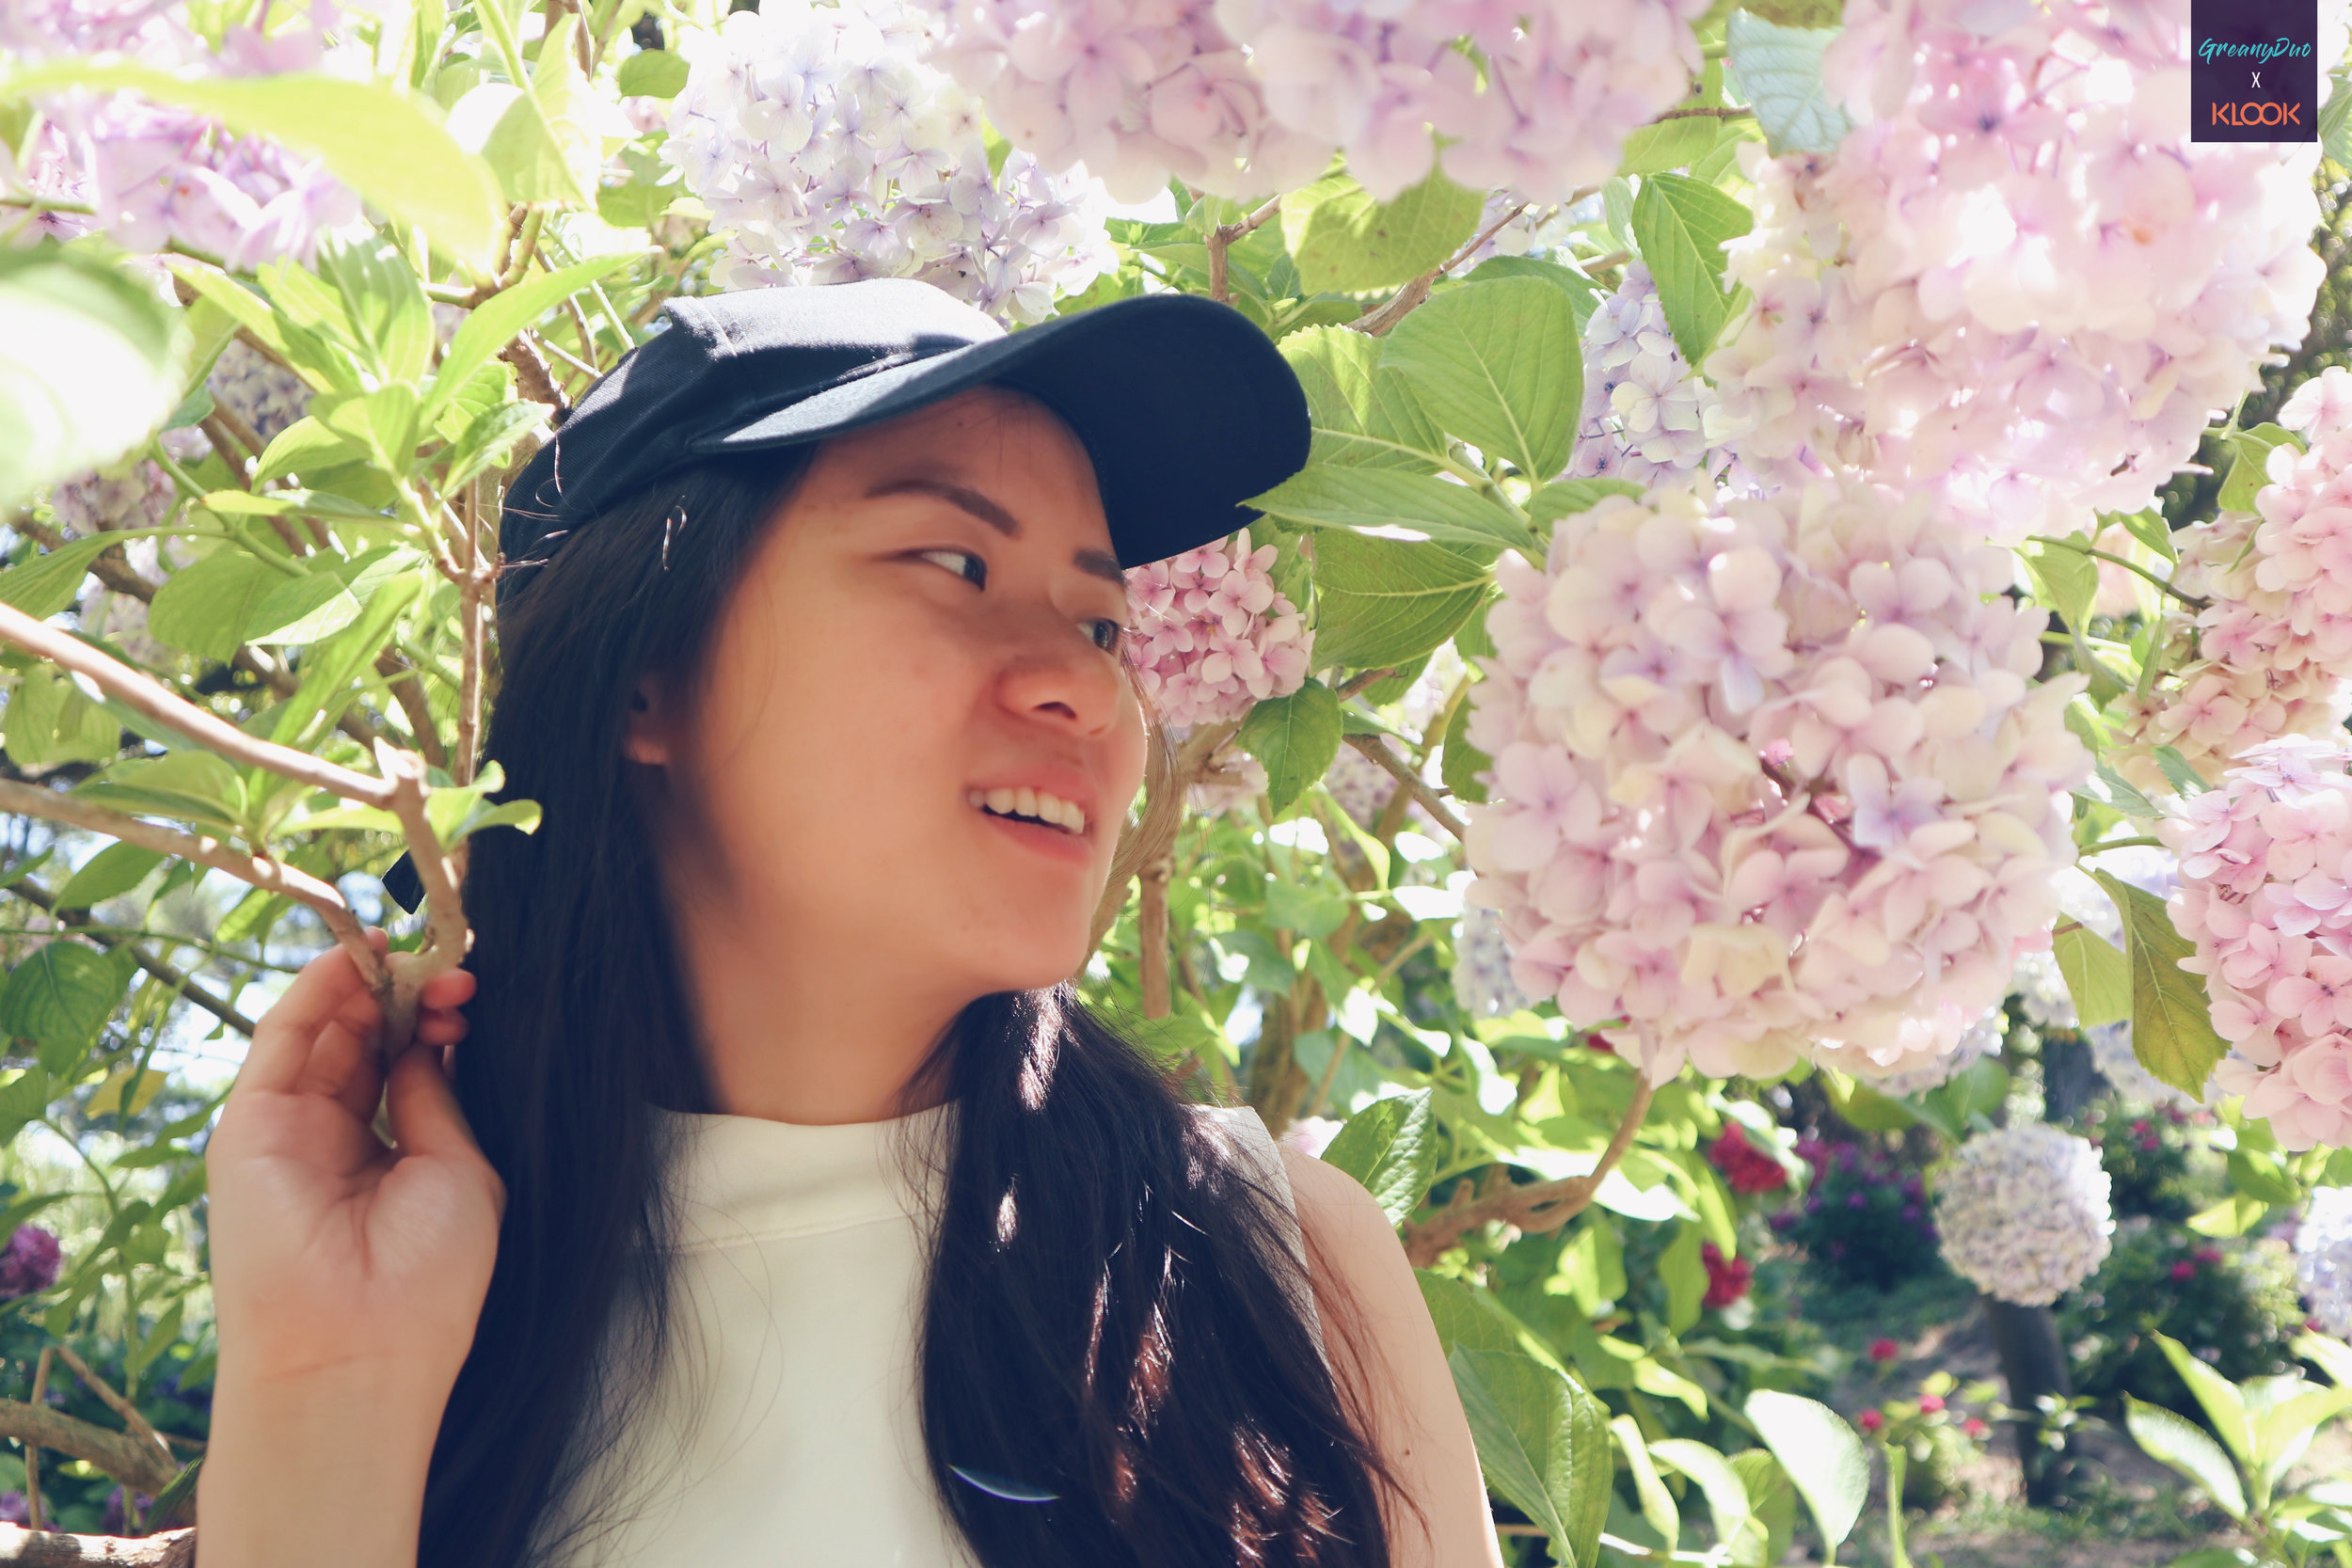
[[784, 1204]]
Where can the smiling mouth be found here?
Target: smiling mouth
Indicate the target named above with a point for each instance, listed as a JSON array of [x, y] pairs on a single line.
[[1031, 805]]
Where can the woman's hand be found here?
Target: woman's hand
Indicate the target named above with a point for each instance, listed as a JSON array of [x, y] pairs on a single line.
[[347, 1276]]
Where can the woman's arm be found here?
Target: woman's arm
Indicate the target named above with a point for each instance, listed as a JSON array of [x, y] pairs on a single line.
[[1397, 1366]]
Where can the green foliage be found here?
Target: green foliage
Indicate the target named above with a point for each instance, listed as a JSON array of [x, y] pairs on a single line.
[[2172, 1030], [2231, 1300], [1779, 69], [1344, 241], [91, 364], [1681, 226]]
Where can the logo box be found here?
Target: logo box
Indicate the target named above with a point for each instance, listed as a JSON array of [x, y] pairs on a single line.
[[2254, 70]]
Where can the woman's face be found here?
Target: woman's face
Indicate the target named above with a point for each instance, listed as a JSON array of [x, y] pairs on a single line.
[[931, 629]]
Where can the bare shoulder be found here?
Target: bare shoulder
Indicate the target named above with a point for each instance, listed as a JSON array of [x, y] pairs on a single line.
[[1392, 1353]]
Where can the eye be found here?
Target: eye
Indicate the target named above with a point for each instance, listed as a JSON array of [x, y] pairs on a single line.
[[1109, 635], [974, 571]]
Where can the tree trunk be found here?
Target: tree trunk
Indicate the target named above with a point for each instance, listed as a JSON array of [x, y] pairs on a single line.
[[2033, 1363], [2070, 1079]]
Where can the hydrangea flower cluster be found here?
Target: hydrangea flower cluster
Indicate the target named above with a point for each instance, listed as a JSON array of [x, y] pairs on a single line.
[[264, 394], [2017, 280], [830, 146], [1210, 635], [2323, 1258], [29, 1262], [2270, 647], [2024, 1212], [2264, 894], [1770, 782], [158, 175], [1482, 965], [1746, 1168], [1982, 1037], [1644, 413], [1244, 97]]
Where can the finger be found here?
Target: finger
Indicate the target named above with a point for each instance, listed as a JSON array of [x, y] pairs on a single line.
[[323, 990], [452, 988], [426, 1119], [441, 1028]]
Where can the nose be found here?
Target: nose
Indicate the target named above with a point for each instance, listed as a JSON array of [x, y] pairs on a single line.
[[1052, 669]]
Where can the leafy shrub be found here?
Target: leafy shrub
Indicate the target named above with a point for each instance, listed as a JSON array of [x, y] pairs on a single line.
[[2146, 1156], [1863, 1221], [2233, 1303]]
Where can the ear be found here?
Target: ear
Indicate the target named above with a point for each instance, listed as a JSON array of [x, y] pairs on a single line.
[[648, 738]]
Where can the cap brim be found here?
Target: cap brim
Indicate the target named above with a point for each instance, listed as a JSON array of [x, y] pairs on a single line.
[[1184, 406]]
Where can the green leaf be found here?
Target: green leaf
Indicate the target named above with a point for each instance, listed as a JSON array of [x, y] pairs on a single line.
[[115, 869], [1726, 1493], [2177, 1441], [382, 424], [2178, 773], [205, 607], [1363, 414], [1683, 1268], [1780, 73], [570, 103], [193, 785], [1774, 1505], [2125, 799], [1657, 1504], [49, 720], [2251, 450], [22, 1099], [1499, 365], [322, 602], [2224, 1407], [1584, 293], [92, 363], [306, 446], [493, 323], [2148, 526], [2068, 580], [59, 997], [383, 303], [508, 130], [490, 440], [386, 147], [47, 583], [1542, 1444], [2172, 1031], [1825, 1457], [330, 665], [1391, 1147], [1460, 763], [653, 73], [1381, 602], [1343, 242], [2096, 974], [1349, 499], [2335, 122], [1680, 226], [1294, 738], [1564, 497], [1666, 144]]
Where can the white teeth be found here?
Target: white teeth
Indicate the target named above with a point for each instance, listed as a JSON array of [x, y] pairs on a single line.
[[1065, 814]]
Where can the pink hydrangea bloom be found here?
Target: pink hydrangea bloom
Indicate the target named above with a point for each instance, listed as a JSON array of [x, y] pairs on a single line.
[[1770, 781], [2267, 895], [2016, 281], [1212, 636], [2268, 654]]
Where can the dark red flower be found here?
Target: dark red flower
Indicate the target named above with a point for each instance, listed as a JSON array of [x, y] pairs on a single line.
[[1974, 1427], [1931, 1403], [1746, 1168], [1727, 1278], [1884, 1350], [2183, 1269], [1871, 1420]]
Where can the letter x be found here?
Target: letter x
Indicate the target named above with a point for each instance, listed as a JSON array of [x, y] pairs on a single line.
[[2258, 78]]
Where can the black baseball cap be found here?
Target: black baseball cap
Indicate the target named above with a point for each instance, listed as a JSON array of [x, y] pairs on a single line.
[[1183, 406]]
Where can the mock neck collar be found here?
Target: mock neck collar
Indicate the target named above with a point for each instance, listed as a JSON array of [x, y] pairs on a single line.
[[746, 1178]]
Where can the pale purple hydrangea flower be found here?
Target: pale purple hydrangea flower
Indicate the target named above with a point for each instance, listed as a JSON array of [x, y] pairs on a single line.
[[1482, 967], [264, 394], [29, 1264], [1644, 413], [831, 148], [1210, 634], [2323, 1257]]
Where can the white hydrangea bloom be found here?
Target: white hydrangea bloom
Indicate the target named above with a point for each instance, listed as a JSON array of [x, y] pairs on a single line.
[[2323, 1258], [2024, 1212]]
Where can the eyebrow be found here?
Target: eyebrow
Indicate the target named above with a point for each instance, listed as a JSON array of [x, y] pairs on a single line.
[[1100, 563]]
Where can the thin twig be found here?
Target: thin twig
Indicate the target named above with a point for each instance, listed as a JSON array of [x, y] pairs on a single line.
[[2192, 600], [149, 697], [32, 1445], [1370, 746], [1539, 1206], [1221, 239], [120, 1407], [1708, 114], [409, 693], [531, 373]]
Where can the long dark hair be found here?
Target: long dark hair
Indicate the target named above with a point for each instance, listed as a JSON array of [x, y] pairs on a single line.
[[1135, 1342]]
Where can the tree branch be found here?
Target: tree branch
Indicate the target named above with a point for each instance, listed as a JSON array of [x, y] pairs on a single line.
[[126, 1456], [1370, 746], [40, 1549], [1539, 1206]]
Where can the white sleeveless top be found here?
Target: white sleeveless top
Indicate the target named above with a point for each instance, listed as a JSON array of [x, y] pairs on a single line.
[[783, 1429]]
